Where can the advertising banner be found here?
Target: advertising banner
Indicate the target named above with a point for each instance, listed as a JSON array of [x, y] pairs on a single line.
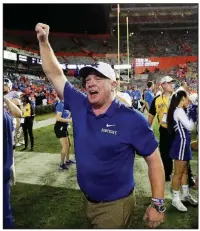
[[141, 64]]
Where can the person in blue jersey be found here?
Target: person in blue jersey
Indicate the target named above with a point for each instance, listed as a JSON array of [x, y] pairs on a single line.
[[149, 95], [7, 169], [107, 134], [136, 96], [60, 129], [180, 126]]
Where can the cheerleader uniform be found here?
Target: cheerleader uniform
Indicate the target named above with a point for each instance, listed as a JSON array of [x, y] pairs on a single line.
[[181, 148]]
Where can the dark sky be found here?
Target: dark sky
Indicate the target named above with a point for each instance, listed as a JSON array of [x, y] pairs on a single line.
[[71, 18]]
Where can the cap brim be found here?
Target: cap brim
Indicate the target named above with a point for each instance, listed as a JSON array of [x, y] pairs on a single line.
[[173, 80], [84, 72]]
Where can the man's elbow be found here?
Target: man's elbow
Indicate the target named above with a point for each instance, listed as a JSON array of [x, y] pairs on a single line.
[[190, 128], [58, 118]]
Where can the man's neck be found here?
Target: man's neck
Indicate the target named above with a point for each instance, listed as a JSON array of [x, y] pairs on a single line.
[[166, 93], [98, 110]]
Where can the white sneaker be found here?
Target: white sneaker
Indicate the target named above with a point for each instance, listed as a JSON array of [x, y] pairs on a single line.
[[190, 200], [18, 145], [179, 205]]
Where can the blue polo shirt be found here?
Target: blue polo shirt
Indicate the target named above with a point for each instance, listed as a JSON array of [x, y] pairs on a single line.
[[7, 145], [105, 145], [149, 96]]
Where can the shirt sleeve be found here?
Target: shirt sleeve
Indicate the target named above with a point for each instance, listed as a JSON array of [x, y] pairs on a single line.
[[152, 109], [142, 137], [181, 115], [59, 108], [72, 97], [146, 97]]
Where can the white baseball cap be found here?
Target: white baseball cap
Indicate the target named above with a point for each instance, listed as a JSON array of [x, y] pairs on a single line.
[[7, 82], [103, 68], [167, 79]]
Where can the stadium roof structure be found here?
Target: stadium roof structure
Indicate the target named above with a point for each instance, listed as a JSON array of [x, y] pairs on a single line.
[[155, 17]]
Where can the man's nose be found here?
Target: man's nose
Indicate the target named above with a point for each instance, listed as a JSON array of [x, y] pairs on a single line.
[[91, 83]]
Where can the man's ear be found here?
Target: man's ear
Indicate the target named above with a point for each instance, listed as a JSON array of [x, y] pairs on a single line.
[[114, 85]]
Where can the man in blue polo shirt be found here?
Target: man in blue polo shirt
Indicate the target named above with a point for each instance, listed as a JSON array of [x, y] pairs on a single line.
[[149, 95], [106, 136]]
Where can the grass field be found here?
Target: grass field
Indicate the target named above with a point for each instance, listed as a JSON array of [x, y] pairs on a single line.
[[42, 206], [45, 116], [47, 207]]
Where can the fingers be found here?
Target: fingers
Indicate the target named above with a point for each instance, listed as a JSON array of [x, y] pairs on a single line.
[[40, 26], [154, 224], [145, 217], [42, 32]]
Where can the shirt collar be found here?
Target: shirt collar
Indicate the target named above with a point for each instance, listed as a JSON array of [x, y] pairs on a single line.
[[110, 111]]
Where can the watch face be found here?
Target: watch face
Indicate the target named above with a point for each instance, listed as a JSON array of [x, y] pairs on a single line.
[[159, 208], [162, 208]]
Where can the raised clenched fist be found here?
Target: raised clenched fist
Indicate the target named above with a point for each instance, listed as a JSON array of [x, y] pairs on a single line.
[[42, 32]]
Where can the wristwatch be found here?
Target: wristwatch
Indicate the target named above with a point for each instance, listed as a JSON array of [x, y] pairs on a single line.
[[161, 208]]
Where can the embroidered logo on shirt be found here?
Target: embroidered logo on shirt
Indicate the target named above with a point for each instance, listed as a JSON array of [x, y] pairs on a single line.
[[109, 131], [110, 125]]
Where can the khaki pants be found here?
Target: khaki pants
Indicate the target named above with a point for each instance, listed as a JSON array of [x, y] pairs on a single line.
[[115, 214]]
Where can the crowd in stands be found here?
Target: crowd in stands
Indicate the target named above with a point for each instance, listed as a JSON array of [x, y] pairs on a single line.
[[41, 92], [93, 49], [89, 50], [160, 18], [38, 89]]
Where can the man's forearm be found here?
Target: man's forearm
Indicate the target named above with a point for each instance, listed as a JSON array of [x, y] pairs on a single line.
[[157, 181], [150, 119], [13, 109], [64, 120], [156, 175], [50, 63], [147, 106]]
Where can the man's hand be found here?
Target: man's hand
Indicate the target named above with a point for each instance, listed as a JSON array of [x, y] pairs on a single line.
[[153, 217], [42, 32]]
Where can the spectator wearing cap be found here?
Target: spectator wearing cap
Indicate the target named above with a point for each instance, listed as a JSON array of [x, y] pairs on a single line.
[[159, 106], [12, 104], [106, 136]]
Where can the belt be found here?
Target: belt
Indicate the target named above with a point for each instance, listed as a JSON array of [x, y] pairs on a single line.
[[96, 202]]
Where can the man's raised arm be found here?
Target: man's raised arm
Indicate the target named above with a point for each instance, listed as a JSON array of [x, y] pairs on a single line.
[[50, 64]]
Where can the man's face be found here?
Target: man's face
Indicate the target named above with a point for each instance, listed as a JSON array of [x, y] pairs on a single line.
[[6, 89], [98, 89], [169, 87]]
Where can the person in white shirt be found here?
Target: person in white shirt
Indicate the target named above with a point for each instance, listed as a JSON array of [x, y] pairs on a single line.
[[44, 102]]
